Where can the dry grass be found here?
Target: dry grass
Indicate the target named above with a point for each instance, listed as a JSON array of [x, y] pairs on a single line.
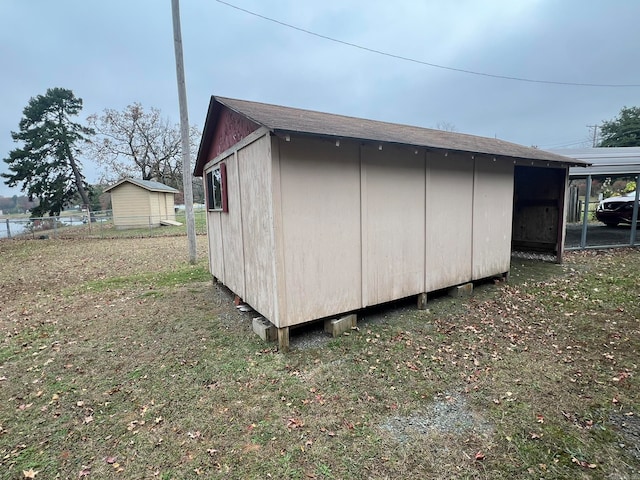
[[118, 360]]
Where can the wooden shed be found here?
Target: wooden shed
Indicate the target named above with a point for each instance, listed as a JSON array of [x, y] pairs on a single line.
[[312, 215], [141, 203]]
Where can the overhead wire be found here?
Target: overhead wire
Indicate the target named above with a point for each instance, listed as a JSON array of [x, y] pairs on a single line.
[[422, 62]]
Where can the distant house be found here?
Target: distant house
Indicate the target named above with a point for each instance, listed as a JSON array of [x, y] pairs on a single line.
[[312, 215], [141, 203]]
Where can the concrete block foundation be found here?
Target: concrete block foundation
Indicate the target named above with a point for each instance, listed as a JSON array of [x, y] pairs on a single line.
[[338, 326], [265, 329], [463, 290]]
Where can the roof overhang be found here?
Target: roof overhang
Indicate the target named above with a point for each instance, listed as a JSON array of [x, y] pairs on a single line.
[[137, 183], [283, 121]]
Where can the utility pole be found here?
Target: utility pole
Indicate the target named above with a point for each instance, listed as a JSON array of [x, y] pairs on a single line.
[[595, 134], [184, 133]]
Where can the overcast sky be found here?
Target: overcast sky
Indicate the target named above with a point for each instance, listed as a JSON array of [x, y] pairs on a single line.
[[113, 53]]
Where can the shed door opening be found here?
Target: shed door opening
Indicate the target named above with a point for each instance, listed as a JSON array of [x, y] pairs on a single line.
[[538, 210]]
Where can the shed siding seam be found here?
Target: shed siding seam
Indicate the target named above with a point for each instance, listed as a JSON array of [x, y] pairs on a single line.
[[276, 232], [364, 251], [239, 207]]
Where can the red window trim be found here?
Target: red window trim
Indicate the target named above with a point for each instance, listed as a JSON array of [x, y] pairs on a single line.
[[223, 182]]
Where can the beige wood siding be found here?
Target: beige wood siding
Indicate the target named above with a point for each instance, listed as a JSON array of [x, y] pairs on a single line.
[[231, 225], [320, 208], [393, 216], [492, 217], [316, 230], [449, 214], [254, 172], [130, 205], [216, 250]]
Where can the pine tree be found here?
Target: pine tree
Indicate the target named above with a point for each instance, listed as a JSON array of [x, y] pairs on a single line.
[[46, 166]]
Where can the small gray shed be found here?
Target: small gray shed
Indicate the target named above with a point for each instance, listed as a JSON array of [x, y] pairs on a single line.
[[311, 215]]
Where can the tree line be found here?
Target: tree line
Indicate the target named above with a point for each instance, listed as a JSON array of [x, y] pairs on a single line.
[[133, 142]]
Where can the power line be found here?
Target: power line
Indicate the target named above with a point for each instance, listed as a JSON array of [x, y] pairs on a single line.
[[564, 144], [422, 62]]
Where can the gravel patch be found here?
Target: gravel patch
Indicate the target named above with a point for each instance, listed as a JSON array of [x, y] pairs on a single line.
[[449, 415], [629, 429]]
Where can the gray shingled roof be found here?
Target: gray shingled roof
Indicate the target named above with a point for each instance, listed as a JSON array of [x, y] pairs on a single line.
[[146, 184], [281, 119]]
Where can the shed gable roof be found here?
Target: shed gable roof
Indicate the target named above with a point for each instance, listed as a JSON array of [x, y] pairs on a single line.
[[281, 119], [146, 184]]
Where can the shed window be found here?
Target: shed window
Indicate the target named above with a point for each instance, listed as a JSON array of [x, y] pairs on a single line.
[[217, 188]]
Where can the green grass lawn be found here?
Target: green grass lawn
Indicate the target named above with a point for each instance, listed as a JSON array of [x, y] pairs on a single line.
[[118, 360]]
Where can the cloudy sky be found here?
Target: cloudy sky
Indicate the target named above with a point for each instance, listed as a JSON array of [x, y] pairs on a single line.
[[113, 53]]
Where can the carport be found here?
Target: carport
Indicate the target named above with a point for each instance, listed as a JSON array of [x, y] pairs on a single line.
[[611, 163]]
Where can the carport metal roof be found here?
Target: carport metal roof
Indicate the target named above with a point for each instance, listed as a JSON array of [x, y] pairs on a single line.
[[614, 161]]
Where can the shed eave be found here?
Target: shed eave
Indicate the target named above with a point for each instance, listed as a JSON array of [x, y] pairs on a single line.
[[546, 157]]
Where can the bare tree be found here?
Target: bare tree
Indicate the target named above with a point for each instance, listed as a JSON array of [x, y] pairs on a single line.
[[446, 127], [139, 143]]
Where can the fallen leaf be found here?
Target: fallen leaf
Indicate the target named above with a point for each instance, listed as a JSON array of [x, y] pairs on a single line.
[[31, 473], [251, 447], [583, 464], [479, 456], [293, 423], [539, 419], [110, 460], [84, 472]]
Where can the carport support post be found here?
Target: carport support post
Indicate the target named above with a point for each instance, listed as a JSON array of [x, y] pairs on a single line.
[[585, 215], [8, 229], [634, 219]]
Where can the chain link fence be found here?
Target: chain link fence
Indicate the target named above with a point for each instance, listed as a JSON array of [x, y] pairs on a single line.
[[100, 224]]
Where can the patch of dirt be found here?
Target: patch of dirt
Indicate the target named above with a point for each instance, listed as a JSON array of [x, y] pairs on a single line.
[[449, 415]]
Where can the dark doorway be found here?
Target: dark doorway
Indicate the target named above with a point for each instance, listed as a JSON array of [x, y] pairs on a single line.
[[538, 210]]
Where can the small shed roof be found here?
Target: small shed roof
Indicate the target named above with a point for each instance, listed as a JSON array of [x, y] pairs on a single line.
[[284, 120], [146, 184], [604, 160]]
